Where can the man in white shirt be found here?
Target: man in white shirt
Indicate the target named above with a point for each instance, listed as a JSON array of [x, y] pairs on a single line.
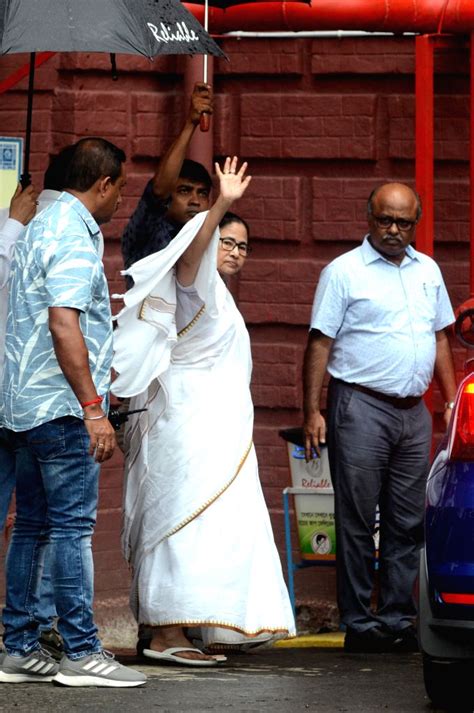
[[378, 326], [12, 223]]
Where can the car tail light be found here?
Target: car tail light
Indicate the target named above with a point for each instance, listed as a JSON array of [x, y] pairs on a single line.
[[462, 434], [450, 598]]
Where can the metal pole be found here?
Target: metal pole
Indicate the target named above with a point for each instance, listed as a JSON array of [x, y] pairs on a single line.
[[206, 27], [424, 139], [205, 120], [316, 34], [289, 552], [471, 172]]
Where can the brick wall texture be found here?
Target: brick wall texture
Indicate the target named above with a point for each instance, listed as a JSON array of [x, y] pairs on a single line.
[[321, 122]]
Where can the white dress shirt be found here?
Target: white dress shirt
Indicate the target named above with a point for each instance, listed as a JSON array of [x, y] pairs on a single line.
[[383, 318]]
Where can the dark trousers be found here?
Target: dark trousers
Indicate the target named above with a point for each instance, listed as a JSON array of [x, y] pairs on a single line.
[[378, 455]]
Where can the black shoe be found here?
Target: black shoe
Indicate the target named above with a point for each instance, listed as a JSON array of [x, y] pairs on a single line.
[[52, 642], [406, 640], [370, 641]]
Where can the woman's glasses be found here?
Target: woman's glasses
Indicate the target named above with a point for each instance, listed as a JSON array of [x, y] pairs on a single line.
[[229, 244]]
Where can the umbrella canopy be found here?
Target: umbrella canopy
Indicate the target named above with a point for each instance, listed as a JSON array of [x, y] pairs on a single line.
[[145, 27]]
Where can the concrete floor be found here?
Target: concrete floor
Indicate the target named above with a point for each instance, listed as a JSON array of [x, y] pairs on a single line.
[[322, 680]]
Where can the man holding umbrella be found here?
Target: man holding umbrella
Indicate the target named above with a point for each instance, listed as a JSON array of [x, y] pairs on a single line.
[[178, 191]]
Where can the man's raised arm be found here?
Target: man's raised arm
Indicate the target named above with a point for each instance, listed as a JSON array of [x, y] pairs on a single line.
[[168, 170]]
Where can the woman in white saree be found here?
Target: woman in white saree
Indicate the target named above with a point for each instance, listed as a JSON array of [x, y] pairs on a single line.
[[196, 529]]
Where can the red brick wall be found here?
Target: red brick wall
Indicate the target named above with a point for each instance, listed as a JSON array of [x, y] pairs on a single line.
[[320, 122]]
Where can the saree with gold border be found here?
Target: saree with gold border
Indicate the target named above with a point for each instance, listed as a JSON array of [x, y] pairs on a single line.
[[196, 528]]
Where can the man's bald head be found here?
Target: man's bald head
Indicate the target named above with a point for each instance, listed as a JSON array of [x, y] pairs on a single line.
[[393, 212], [398, 191]]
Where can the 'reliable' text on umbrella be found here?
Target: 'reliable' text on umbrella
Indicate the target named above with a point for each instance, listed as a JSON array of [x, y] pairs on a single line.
[[166, 34]]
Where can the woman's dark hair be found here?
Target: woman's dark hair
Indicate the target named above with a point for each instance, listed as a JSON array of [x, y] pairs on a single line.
[[93, 158], [234, 218]]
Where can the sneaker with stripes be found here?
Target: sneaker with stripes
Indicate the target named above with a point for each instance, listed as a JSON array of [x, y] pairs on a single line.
[[37, 667], [100, 669]]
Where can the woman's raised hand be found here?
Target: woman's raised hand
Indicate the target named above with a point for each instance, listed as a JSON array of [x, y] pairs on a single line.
[[233, 182]]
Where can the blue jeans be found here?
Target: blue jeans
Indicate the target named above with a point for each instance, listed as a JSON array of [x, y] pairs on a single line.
[[7, 474], [46, 612], [12, 457], [56, 504]]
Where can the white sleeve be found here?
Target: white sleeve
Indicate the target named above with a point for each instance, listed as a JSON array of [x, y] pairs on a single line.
[[444, 311], [9, 234]]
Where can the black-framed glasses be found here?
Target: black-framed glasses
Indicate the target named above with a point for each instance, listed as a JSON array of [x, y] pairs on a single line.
[[229, 244], [386, 222]]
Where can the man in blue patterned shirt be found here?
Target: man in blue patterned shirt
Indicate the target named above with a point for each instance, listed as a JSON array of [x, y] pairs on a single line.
[[58, 353]]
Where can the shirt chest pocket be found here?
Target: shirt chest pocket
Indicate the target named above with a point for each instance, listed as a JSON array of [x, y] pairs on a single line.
[[425, 301]]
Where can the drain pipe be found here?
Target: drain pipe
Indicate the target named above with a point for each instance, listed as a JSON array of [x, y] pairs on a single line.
[[423, 16]]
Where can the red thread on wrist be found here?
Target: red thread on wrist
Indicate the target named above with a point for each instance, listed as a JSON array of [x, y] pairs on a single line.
[[97, 400]]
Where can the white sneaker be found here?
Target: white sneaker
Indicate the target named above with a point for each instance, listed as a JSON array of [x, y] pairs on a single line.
[[100, 669], [37, 667]]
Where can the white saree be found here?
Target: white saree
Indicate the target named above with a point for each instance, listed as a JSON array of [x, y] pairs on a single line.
[[196, 528]]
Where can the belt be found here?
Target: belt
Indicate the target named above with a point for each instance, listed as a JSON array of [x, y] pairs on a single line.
[[396, 401]]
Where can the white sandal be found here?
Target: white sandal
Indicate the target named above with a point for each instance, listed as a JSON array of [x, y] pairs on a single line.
[[170, 655]]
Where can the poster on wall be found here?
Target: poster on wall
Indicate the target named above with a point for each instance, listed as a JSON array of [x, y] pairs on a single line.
[[11, 152]]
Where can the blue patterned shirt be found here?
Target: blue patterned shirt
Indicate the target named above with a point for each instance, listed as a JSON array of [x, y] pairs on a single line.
[[56, 264]]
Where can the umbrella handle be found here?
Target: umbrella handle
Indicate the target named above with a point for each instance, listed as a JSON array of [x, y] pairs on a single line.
[[204, 121], [25, 180], [113, 62]]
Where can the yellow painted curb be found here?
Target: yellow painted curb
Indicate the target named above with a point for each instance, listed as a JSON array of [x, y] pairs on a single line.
[[332, 640]]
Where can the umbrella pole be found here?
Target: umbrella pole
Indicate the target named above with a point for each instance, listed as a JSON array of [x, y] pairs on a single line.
[[206, 27], [204, 120], [26, 176]]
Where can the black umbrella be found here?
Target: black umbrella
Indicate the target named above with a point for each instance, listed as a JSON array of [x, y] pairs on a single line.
[[143, 27]]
